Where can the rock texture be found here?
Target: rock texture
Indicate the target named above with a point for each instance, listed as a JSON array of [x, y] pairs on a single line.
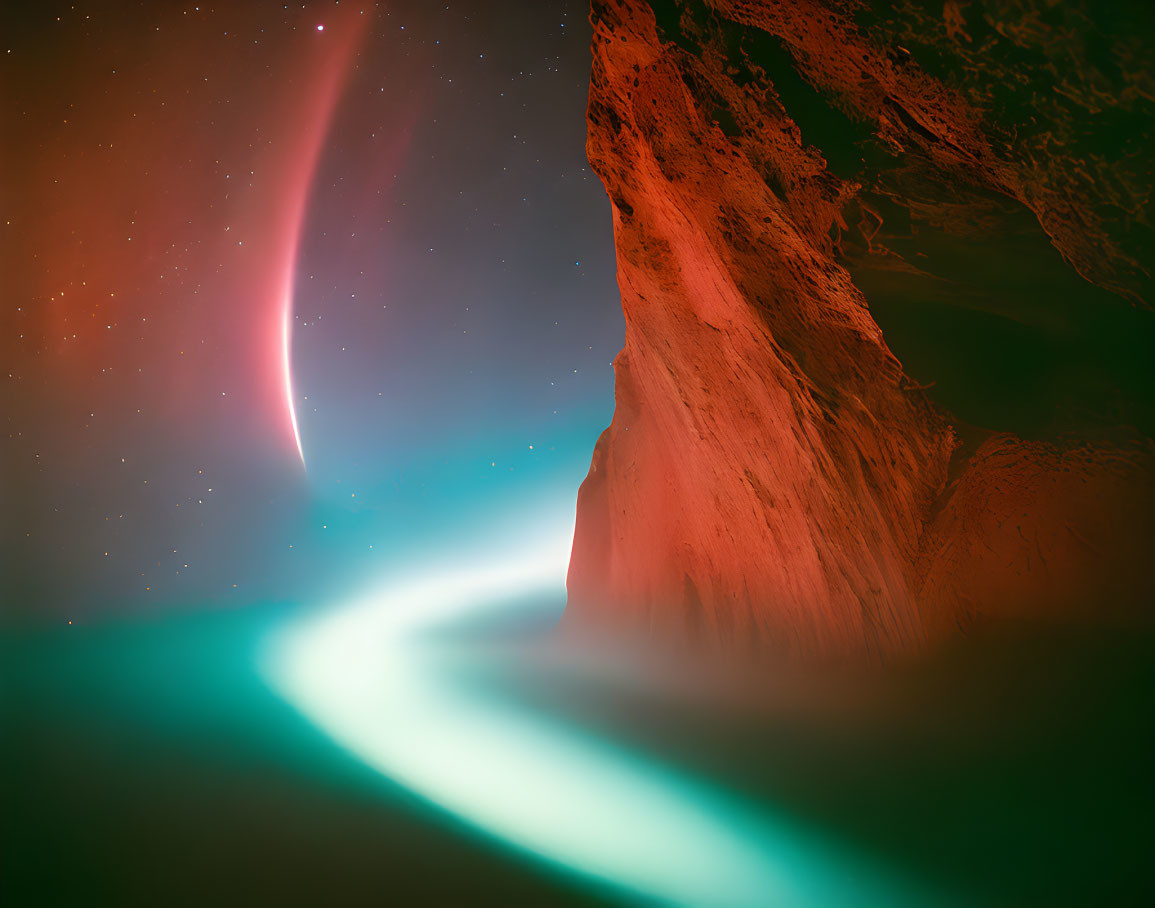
[[783, 173]]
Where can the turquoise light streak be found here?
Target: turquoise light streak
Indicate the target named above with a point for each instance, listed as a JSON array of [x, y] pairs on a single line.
[[364, 674]]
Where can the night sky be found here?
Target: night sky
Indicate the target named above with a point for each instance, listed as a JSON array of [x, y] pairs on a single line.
[[410, 178]]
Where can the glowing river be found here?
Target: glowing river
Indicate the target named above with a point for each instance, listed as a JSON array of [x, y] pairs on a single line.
[[364, 674]]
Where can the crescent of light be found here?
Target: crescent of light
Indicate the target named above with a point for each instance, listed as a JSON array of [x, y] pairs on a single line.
[[320, 102]]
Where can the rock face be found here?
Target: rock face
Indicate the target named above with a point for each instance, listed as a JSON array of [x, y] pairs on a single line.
[[796, 199]]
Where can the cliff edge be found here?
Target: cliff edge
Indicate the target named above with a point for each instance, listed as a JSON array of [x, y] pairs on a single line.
[[886, 368]]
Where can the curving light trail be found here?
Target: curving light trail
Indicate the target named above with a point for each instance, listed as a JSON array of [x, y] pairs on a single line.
[[367, 674], [318, 99], [287, 371]]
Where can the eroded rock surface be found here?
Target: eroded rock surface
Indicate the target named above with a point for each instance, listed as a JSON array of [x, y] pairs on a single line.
[[801, 191]]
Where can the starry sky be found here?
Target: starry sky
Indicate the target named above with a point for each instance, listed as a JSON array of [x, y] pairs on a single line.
[[402, 184]]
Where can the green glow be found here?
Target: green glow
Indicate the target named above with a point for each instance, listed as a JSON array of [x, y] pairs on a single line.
[[363, 674]]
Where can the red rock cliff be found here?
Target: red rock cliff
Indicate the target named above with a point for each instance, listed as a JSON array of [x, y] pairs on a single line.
[[773, 479]]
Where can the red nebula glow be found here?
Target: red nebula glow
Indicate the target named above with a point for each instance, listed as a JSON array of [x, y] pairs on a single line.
[[160, 204]]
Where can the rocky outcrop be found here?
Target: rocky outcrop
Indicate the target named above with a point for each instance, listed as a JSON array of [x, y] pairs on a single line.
[[786, 178]]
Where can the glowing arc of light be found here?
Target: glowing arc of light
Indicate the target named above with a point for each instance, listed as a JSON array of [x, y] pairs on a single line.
[[325, 90], [287, 369]]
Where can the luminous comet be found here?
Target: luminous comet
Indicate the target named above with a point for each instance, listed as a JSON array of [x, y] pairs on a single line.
[[320, 100], [287, 368]]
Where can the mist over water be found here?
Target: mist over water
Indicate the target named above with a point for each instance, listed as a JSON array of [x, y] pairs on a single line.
[[229, 681], [435, 739]]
